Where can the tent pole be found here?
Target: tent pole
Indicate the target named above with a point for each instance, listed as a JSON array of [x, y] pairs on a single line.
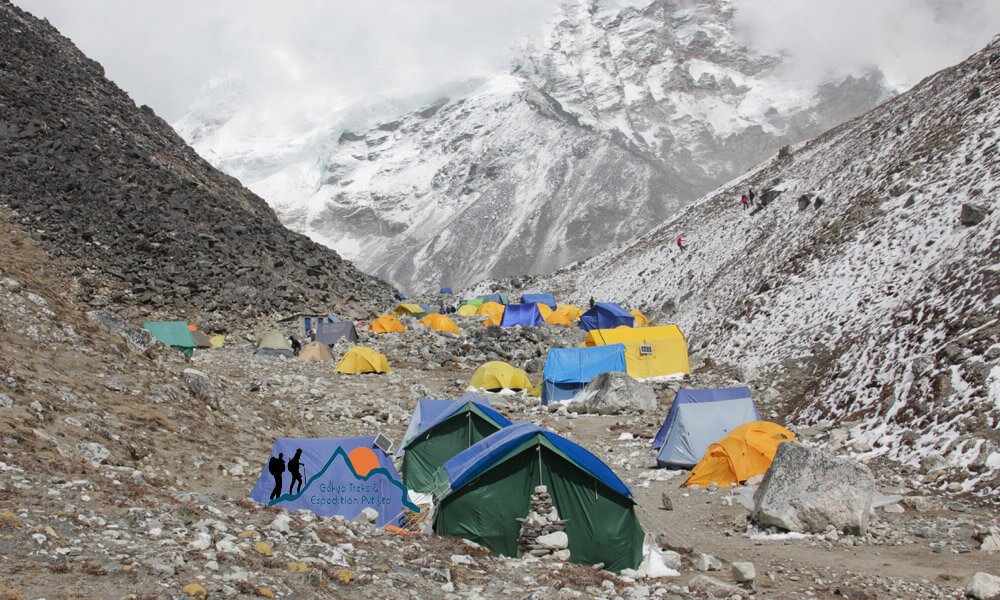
[[468, 425], [538, 448]]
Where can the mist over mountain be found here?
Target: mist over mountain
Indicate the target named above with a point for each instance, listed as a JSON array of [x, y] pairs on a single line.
[[861, 289], [611, 124]]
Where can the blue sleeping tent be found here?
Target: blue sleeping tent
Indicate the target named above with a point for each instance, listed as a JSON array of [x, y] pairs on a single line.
[[698, 419], [445, 290], [568, 370], [605, 315], [521, 314], [487, 487], [400, 296], [547, 299]]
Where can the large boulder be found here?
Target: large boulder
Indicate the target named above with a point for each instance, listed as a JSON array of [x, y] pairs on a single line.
[[201, 387], [139, 340], [613, 394], [810, 491], [973, 214]]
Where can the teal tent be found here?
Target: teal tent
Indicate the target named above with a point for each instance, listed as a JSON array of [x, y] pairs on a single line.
[[175, 334]]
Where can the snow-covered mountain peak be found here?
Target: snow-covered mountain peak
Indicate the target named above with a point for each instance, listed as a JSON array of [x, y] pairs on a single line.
[[620, 116]]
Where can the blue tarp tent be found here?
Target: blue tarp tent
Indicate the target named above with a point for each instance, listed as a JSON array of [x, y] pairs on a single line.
[[400, 296], [521, 314], [568, 370], [605, 315], [547, 299], [489, 486], [429, 412], [445, 290], [339, 476], [333, 319], [699, 418]]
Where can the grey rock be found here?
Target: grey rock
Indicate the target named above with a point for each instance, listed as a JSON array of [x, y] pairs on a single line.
[[983, 586], [6, 401], [612, 394], [744, 571], [973, 214], [808, 490], [554, 541], [137, 339], [715, 588], [201, 387], [11, 285], [707, 562], [106, 319], [93, 453]]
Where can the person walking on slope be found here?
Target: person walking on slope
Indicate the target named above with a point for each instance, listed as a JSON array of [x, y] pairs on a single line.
[[680, 244], [751, 196], [745, 201]]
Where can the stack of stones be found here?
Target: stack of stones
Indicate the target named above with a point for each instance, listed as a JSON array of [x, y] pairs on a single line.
[[542, 531]]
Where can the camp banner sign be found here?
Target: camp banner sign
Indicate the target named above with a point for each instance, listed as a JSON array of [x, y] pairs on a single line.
[[333, 476]]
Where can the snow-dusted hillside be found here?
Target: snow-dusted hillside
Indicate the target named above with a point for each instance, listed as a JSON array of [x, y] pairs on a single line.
[[858, 291], [609, 125]]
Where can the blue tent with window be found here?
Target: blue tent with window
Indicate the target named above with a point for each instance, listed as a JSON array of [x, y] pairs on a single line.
[[430, 411], [568, 370], [547, 299], [521, 314], [699, 418], [487, 487], [605, 315]]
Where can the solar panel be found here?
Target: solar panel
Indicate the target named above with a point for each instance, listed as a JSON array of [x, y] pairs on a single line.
[[645, 349], [383, 443]]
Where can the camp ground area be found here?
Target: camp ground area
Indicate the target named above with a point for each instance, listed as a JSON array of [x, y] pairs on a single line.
[[574, 435]]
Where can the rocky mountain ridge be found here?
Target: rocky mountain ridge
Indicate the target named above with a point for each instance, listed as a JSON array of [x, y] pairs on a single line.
[[609, 126], [152, 225], [862, 285]]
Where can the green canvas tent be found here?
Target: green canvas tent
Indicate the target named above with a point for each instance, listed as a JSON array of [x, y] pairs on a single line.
[[439, 430], [172, 333], [490, 485]]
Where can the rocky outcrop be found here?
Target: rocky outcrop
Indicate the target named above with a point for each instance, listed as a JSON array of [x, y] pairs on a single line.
[[613, 393], [95, 178], [809, 491]]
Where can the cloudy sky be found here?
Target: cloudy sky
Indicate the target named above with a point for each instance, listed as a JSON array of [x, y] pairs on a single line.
[[163, 51]]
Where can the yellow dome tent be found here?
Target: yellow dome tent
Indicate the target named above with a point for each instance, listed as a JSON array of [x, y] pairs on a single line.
[[498, 375], [360, 359], [386, 324], [467, 310], [315, 351], [745, 452], [489, 308], [440, 322], [408, 309], [572, 312], [640, 319]]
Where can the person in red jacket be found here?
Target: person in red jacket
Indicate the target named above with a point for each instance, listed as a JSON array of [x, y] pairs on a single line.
[[745, 201], [680, 243]]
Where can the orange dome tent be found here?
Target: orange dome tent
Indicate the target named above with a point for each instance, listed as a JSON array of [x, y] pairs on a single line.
[[640, 319], [745, 452], [489, 308], [440, 322], [571, 312], [497, 375], [386, 324]]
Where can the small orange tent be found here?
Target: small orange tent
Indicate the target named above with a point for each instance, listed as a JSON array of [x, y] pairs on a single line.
[[440, 322], [495, 319], [386, 324], [745, 452]]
